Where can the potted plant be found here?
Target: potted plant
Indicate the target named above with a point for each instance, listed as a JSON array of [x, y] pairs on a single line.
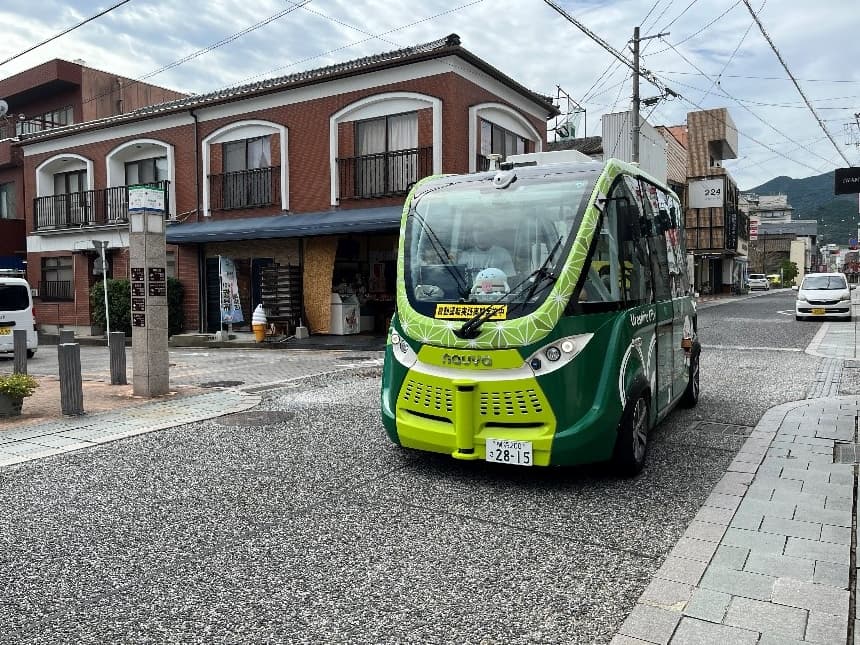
[[13, 389]]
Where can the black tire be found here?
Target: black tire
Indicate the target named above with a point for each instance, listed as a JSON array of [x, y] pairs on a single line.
[[31, 353], [631, 445], [690, 397]]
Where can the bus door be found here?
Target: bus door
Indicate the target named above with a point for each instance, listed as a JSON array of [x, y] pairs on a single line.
[[638, 284], [659, 295], [668, 264], [669, 212]]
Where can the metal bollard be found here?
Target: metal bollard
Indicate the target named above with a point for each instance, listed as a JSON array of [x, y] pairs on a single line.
[[71, 388], [116, 342], [19, 340], [66, 336]]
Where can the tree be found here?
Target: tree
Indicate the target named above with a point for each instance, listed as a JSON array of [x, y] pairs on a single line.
[[789, 272]]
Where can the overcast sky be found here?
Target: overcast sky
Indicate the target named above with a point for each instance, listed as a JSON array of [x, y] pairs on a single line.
[[719, 58]]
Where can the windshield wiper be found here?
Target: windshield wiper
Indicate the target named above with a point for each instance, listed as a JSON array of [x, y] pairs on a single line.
[[541, 273], [442, 252], [472, 327]]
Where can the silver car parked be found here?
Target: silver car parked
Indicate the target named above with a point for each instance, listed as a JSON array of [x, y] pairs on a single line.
[[823, 295]]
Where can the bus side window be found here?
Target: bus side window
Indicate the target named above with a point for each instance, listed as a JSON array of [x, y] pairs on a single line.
[[634, 250], [657, 246]]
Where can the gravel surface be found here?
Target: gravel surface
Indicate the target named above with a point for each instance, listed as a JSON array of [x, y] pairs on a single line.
[[310, 527]]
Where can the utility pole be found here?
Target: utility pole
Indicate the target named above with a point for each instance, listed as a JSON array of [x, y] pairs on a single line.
[[636, 126], [637, 72]]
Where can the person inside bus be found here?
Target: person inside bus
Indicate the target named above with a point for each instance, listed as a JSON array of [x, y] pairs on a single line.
[[484, 254]]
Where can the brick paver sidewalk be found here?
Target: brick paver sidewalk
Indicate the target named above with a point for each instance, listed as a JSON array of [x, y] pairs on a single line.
[[767, 560]]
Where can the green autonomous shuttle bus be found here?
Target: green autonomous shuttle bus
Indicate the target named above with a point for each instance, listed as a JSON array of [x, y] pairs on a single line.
[[544, 315]]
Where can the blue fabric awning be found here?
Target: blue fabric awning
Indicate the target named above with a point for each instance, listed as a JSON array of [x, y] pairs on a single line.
[[358, 220]]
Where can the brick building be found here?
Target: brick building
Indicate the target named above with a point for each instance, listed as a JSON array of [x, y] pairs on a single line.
[[307, 170], [52, 95]]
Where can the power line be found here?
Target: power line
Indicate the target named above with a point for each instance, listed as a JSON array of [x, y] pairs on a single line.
[[65, 31], [732, 57], [756, 78], [644, 73], [696, 33], [794, 81], [354, 43], [232, 37], [757, 117]]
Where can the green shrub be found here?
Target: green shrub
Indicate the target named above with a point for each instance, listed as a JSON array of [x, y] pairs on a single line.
[[17, 386], [119, 301]]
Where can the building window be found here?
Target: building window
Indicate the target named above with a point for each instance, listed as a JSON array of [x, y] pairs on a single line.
[[146, 171], [496, 140], [46, 121], [7, 201], [248, 176], [57, 278], [387, 154]]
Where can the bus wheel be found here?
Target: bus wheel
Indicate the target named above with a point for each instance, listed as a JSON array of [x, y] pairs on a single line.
[[632, 442], [691, 395]]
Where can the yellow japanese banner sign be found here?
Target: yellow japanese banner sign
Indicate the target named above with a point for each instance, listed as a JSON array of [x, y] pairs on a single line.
[[464, 312]]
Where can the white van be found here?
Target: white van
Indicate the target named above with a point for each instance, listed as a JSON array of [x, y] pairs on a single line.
[[16, 312]]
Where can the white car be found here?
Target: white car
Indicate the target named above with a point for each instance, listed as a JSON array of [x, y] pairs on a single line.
[[758, 281], [16, 312], [823, 295]]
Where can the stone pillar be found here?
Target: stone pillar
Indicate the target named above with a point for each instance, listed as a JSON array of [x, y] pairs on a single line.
[[116, 345], [19, 345], [148, 260]]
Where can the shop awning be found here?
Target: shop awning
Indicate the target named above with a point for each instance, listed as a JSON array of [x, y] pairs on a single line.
[[335, 222]]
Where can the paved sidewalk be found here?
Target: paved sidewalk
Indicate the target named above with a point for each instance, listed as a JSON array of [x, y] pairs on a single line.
[[74, 433], [770, 559], [767, 560]]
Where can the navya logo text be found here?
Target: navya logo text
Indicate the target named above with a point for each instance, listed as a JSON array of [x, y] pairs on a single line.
[[643, 317], [462, 360]]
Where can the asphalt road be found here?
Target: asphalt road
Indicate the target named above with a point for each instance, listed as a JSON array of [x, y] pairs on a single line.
[[312, 528]]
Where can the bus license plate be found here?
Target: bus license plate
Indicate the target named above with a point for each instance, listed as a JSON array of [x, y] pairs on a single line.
[[505, 451], [5, 331], [818, 312]]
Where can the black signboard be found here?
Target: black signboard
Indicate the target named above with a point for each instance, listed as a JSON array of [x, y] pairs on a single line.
[[157, 289], [138, 320], [847, 181], [157, 274], [732, 231], [137, 289], [138, 304], [137, 274]]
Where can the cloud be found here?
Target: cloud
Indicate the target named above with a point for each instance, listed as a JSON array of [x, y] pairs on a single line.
[[525, 39]]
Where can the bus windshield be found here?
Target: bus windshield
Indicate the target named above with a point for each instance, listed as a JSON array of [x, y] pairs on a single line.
[[470, 242]]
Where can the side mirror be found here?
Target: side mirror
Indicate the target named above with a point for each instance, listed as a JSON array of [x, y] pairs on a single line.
[[794, 287]]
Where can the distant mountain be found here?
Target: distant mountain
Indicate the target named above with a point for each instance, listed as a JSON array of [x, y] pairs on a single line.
[[813, 198]]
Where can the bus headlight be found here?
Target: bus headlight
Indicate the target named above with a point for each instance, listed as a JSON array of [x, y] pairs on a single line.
[[557, 358], [402, 351]]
